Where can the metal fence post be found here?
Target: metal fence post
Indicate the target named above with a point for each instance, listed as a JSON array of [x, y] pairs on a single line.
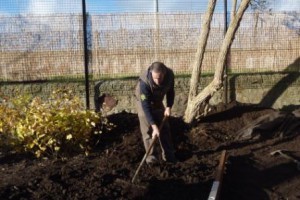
[[156, 40], [86, 56], [225, 99]]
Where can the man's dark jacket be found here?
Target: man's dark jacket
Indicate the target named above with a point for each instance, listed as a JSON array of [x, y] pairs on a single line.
[[151, 95]]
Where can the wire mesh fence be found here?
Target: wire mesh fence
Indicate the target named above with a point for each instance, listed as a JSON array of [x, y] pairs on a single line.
[[46, 46]]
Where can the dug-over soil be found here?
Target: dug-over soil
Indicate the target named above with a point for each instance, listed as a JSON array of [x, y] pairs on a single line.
[[250, 172]]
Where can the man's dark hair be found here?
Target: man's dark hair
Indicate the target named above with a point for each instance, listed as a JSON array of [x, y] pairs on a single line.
[[158, 67]]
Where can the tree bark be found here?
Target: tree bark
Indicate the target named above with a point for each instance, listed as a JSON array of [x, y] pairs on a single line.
[[194, 103], [233, 9], [201, 49]]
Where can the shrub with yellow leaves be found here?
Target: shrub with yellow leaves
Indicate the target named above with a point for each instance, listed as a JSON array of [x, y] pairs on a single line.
[[56, 126]]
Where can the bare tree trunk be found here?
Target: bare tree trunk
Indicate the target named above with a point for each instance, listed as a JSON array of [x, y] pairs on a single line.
[[201, 49], [195, 103], [233, 9]]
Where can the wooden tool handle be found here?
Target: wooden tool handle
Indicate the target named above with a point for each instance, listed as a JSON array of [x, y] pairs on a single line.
[[148, 150]]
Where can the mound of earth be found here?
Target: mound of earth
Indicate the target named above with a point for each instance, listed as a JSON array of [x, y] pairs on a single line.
[[251, 172]]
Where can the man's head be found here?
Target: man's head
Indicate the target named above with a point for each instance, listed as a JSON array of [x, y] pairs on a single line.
[[158, 71]]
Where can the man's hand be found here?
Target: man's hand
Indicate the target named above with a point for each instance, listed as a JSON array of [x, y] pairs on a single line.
[[167, 112], [155, 131]]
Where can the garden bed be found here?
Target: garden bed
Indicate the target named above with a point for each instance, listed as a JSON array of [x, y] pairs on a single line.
[[250, 172]]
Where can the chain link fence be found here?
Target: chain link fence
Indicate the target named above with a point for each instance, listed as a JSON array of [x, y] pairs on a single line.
[[51, 46]]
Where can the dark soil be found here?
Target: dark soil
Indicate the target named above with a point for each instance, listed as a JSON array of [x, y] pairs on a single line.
[[250, 172]]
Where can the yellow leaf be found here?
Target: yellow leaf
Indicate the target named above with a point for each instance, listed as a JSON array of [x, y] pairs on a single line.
[[43, 148], [56, 148], [38, 153], [81, 146], [50, 141], [69, 137], [40, 136], [31, 145]]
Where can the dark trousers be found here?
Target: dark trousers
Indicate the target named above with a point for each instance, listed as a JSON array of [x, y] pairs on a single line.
[[165, 140]]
